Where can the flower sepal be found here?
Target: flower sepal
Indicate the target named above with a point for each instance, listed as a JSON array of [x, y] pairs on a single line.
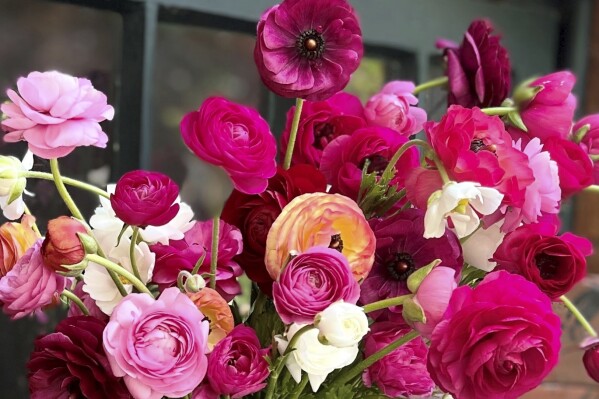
[[416, 278], [90, 246], [412, 312], [524, 92]]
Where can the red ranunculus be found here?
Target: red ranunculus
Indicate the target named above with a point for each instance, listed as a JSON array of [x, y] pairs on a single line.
[[62, 245]]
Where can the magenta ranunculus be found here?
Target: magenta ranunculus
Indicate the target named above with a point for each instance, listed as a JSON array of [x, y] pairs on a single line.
[[30, 285], [322, 122], [143, 198], [71, 363], [308, 48], [479, 69], [574, 166], [420, 184], [590, 141], [157, 345], [87, 300], [183, 254], [402, 372], [311, 282], [55, 113], [496, 341], [344, 158], [554, 263], [235, 138], [395, 107], [237, 366]]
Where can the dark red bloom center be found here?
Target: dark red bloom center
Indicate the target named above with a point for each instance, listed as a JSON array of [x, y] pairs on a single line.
[[310, 44], [547, 264], [479, 145], [324, 133], [400, 266], [376, 164], [336, 242]]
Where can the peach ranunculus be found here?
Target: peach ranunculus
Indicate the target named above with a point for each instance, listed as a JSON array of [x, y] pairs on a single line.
[[321, 220], [15, 239], [216, 309]]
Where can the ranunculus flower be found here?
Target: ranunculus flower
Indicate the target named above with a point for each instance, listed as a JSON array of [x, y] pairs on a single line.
[[590, 359], [62, 245], [30, 285], [344, 158], [590, 141], [574, 167], [157, 345], [308, 48], [322, 122], [321, 220], [71, 363], [312, 357], [395, 107], [235, 138], [341, 324], [204, 391], [479, 70], [183, 255], [12, 185], [55, 113], [15, 239], [254, 214], [214, 307], [420, 184], [554, 263], [496, 341], [237, 366], [143, 198], [401, 249], [311, 282], [89, 303], [403, 371], [480, 246]]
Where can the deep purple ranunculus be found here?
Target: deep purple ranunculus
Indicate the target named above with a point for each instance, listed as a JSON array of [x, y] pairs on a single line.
[[479, 69], [590, 359], [71, 363], [237, 366], [400, 250], [311, 282], [143, 198], [590, 141], [308, 48]]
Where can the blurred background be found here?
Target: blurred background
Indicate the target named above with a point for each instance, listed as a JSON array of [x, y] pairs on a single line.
[[158, 59]]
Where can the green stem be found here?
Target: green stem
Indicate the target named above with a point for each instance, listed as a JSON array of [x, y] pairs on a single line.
[[500, 111], [62, 191], [299, 103], [442, 81], [385, 303], [214, 251], [300, 387], [134, 237], [34, 225], [118, 269], [75, 299], [69, 181], [296, 337], [402, 150], [579, 316]]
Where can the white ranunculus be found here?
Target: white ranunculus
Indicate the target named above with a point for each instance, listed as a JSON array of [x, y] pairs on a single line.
[[314, 358], [342, 324], [12, 184], [481, 245], [459, 202]]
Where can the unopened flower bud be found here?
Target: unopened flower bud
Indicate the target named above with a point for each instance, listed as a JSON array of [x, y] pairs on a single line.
[[65, 245]]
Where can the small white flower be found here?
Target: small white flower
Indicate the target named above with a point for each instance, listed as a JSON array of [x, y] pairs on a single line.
[[459, 202], [12, 184], [342, 324], [311, 356], [481, 245]]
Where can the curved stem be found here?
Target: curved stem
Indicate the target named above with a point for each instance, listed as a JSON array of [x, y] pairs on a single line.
[[134, 237], [121, 271], [500, 111], [299, 103], [579, 316], [402, 150], [62, 191], [33, 225], [297, 391], [442, 81], [214, 250], [67, 180], [385, 303], [75, 299], [296, 336], [592, 188]]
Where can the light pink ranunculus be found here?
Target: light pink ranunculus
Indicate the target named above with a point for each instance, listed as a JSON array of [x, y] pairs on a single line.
[[394, 107], [157, 345], [55, 113]]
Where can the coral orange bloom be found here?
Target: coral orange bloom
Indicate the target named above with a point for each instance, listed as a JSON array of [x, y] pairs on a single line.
[[216, 309], [15, 239], [321, 220]]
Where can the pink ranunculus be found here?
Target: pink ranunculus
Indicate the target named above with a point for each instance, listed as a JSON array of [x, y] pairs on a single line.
[[235, 138], [143, 198], [183, 254], [343, 159], [420, 184], [433, 296], [403, 371], [204, 391], [237, 366], [574, 166], [322, 122], [55, 113], [395, 107], [88, 301], [157, 345], [308, 48], [311, 282], [30, 285], [496, 341], [590, 141]]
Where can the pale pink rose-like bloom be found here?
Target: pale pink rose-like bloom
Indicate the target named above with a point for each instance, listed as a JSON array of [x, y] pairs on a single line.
[[394, 107], [55, 113]]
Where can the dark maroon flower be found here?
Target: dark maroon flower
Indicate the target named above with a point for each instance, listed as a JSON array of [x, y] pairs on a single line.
[[143, 198], [308, 48], [400, 250], [478, 70], [590, 359], [71, 363], [574, 166], [62, 245]]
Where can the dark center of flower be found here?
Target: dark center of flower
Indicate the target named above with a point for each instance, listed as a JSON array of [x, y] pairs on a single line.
[[400, 266], [376, 164], [336, 242], [324, 133], [315, 280], [310, 44], [479, 145], [547, 265]]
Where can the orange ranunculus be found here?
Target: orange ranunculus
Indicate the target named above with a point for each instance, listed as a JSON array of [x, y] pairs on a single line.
[[216, 309], [15, 239], [321, 219]]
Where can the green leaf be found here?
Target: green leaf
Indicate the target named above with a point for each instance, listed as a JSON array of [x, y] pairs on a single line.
[[265, 320]]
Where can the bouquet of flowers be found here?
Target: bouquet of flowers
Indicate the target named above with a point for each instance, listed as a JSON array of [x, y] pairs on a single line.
[[382, 264]]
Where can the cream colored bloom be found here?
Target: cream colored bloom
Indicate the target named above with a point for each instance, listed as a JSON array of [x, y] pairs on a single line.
[[481, 246], [342, 324], [12, 184]]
